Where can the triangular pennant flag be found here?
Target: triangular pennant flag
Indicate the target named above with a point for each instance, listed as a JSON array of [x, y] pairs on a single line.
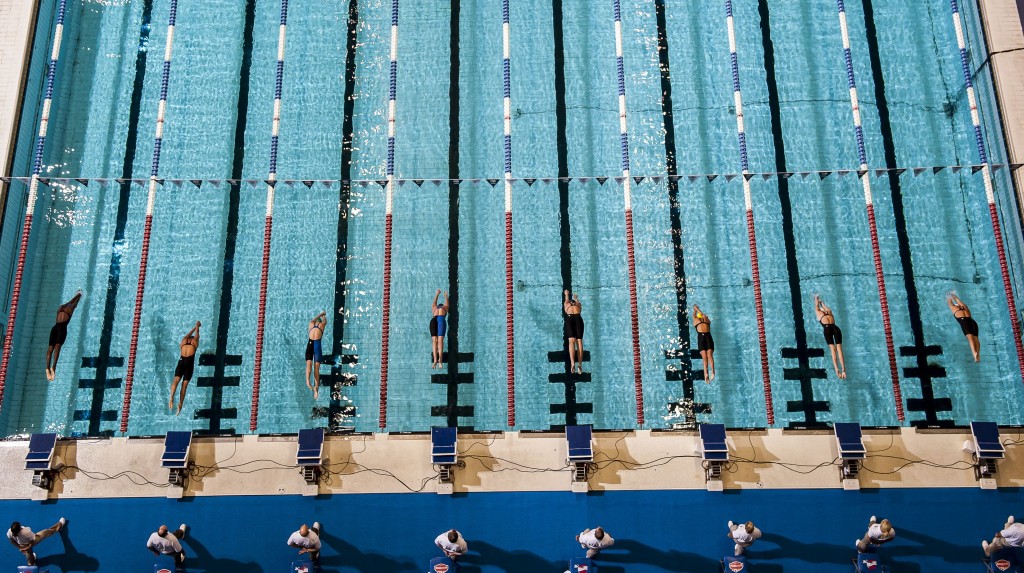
[[436, 182], [493, 182], [418, 182], [956, 168], [862, 172], [120, 180], [638, 180], [937, 169], [327, 183], [197, 182], [804, 174], [785, 174], [693, 178], [880, 172], [290, 183], [899, 171], [84, 182], [252, 182], [918, 170], [45, 181], [382, 182], [1015, 166], [308, 183], [997, 166], [619, 180], [729, 176], [530, 182], [546, 181], [401, 182], [23, 179], [215, 182], [824, 174], [601, 180], [767, 176], [748, 176], [8, 180], [177, 182], [712, 177], [233, 182], [584, 180], [362, 183], [843, 172], [656, 179], [976, 168], [455, 181]]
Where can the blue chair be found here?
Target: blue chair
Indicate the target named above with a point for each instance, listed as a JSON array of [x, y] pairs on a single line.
[[734, 564], [582, 565], [1005, 560], [851, 449], [304, 566], [442, 565], [713, 451], [40, 459], [868, 562], [310, 454]]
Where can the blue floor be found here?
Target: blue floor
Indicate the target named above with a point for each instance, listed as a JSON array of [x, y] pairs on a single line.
[[680, 531]]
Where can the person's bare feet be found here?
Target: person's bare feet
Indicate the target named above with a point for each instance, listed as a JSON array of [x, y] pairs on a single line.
[[170, 404], [50, 374], [316, 392]]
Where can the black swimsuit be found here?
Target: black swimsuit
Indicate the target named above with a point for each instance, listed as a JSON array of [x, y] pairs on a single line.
[[59, 333], [573, 326], [833, 335], [704, 339], [967, 325], [186, 366]]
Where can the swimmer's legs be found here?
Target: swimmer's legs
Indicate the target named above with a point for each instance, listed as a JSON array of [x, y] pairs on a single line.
[[835, 362], [436, 351], [56, 357], [579, 357], [572, 355], [181, 400], [49, 353], [174, 386], [316, 380], [711, 362], [704, 358], [975, 346], [309, 368], [842, 363]]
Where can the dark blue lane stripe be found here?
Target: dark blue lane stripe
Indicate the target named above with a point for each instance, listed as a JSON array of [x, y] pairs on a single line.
[[220, 360], [103, 362], [803, 373], [924, 370], [685, 372]]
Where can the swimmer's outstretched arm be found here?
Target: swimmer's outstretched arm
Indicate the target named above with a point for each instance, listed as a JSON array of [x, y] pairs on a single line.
[[576, 299], [954, 302], [446, 300], [436, 296], [74, 301]]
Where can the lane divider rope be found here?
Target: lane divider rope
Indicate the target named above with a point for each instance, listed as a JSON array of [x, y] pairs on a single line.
[[509, 320], [382, 420]]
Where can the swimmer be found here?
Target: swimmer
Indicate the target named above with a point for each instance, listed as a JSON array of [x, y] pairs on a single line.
[[705, 342], [315, 352], [574, 331], [833, 336], [59, 333], [438, 326], [186, 365], [968, 325]]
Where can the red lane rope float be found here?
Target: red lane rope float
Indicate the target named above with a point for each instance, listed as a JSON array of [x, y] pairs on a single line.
[[33, 194], [990, 196], [865, 179], [509, 291], [755, 268], [634, 313], [268, 226], [382, 419], [140, 290]]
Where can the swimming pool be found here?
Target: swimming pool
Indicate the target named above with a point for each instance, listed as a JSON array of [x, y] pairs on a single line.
[[448, 215]]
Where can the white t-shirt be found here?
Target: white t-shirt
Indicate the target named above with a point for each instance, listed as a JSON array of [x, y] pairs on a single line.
[[167, 544], [1013, 535], [310, 541], [458, 547], [589, 540], [875, 533], [740, 535], [23, 538]]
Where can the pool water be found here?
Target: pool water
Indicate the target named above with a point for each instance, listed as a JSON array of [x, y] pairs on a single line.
[[327, 252]]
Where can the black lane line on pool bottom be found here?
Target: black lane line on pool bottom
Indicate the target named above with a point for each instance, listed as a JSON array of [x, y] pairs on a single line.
[[337, 412], [103, 362], [924, 369], [451, 411], [570, 408], [803, 373], [220, 360], [687, 407]]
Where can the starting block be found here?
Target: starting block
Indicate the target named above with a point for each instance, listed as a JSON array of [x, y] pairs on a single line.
[[734, 564], [1007, 560], [442, 565], [582, 565], [304, 566]]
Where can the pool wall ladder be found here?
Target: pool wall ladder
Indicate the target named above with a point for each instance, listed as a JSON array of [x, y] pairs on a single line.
[[33, 194]]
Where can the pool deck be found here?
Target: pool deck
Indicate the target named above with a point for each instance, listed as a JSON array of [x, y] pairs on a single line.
[[512, 461]]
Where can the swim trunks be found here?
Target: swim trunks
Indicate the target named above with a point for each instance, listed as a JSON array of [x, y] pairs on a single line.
[[186, 366], [968, 325], [59, 333], [705, 341], [314, 350], [832, 334], [438, 325], [573, 326]]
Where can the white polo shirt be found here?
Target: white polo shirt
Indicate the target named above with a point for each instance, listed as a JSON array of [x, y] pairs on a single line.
[[458, 547], [1014, 535], [310, 541], [740, 535], [23, 538], [590, 541], [167, 544], [875, 533]]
